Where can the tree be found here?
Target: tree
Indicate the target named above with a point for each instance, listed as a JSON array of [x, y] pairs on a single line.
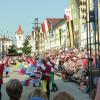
[[12, 49], [26, 47]]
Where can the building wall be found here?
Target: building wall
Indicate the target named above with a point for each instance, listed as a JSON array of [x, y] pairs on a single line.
[[41, 41], [61, 34], [47, 42], [76, 21], [57, 37], [4, 45], [20, 40]]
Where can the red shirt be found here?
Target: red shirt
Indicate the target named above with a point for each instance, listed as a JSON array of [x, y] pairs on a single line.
[[46, 71], [85, 63], [1, 73]]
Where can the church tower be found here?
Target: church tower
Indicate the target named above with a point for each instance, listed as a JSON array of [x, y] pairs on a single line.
[[19, 37]]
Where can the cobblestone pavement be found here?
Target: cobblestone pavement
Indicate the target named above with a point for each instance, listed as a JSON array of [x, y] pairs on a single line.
[[72, 88]]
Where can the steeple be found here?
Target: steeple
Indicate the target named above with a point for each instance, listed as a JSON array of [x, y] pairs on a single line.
[[19, 31]]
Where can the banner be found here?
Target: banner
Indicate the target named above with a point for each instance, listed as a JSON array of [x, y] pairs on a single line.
[[68, 14], [95, 10], [71, 33], [45, 29]]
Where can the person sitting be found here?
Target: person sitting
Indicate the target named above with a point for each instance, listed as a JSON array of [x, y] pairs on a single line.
[[37, 94], [14, 89], [63, 96]]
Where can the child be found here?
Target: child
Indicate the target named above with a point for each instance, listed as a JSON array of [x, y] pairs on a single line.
[[63, 96], [14, 89], [37, 94]]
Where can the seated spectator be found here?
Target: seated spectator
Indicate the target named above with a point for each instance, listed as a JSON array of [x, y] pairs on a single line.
[[14, 89], [63, 96], [37, 94]]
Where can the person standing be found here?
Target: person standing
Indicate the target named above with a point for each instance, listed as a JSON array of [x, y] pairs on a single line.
[[43, 78], [46, 68], [63, 95], [6, 65], [1, 76], [53, 69], [37, 94], [14, 89]]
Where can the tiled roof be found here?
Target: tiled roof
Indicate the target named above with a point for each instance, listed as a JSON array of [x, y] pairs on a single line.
[[19, 31], [53, 21]]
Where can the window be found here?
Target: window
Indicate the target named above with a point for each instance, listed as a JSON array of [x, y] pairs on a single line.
[[19, 37]]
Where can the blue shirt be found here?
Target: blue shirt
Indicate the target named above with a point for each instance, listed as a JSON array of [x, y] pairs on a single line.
[[37, 98]]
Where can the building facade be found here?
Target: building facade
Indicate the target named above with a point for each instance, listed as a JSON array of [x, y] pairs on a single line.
[[74, 6], [42, 41], [19, 37], [56, 36], [5, 44], [49, 33], [60, 35]]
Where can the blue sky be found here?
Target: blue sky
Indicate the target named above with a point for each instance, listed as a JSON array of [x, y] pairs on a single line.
[[22, 12]]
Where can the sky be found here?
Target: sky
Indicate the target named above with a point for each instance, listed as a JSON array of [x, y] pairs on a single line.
[[23, 12]]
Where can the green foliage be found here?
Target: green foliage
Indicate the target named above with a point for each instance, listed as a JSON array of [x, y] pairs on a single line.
[[26, 47], [12, 49]]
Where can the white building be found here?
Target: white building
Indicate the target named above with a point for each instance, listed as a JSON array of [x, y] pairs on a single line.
[[5, 43], [19, 37]]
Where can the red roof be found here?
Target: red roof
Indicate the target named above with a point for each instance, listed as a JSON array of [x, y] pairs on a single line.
[[19, 31], [53, 21]]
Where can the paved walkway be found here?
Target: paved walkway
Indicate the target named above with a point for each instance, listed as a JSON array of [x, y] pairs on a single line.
[[72, 88]]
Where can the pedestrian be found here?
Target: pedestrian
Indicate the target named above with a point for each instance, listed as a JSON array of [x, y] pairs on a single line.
[[1, 76], [14, 89], [46, 69], [7, 69], [63, 96], [43, 77], [37, 94], [53, 69]]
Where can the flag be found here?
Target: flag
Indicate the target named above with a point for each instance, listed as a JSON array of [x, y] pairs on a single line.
[[96, 9], [68, 14], [95, 14], [45, 29], [71, 33]]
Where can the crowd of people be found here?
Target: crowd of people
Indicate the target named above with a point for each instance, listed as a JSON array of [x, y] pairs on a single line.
[[71, 63], [14, 90]]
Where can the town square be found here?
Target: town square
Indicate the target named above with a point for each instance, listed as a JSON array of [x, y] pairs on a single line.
[[50, 50]]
